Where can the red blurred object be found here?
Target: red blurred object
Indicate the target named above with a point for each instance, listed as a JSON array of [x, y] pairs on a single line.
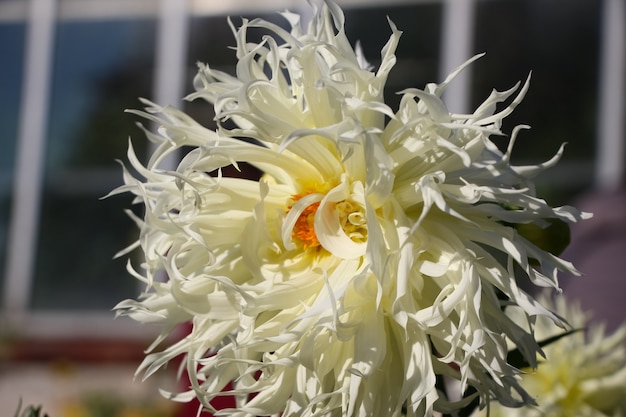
[[191, 408]]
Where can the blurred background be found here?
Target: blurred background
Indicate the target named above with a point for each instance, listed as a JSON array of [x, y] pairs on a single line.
[[69, 68]]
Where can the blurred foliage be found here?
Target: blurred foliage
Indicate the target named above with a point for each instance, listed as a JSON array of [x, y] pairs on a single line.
[[106, 405], [30, 411], [110, 405], [553, 238]]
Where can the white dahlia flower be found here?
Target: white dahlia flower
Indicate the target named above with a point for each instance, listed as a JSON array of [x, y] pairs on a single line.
[[374, 255], [583, 374]]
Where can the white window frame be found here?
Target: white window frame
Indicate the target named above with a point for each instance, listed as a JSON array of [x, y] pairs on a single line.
[[173, 16]]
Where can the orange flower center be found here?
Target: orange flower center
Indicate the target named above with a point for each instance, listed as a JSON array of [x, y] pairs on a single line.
[[304, 229]]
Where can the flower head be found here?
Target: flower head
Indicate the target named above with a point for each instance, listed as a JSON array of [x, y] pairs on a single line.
[[583, 374], [373, 255]]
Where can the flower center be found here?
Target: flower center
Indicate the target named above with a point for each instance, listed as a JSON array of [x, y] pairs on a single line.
[[342, 218], [304, 229]]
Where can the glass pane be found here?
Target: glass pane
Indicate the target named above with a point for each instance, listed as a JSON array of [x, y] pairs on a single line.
[[418, 51], [100, 68], [210, 42], [12, 50], [558, 40]]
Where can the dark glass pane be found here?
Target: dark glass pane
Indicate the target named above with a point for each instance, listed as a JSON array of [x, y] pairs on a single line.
[[11, 51], [79, 236], [418, 51], [210, 42], [100, 69], [558, 40]]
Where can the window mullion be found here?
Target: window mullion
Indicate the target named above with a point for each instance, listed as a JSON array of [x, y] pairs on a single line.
[[171, 51], [456, 47], [610, 131], [29, 158], [171, 47]]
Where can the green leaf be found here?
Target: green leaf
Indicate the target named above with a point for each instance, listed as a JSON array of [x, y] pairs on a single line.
[[553, 238]]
